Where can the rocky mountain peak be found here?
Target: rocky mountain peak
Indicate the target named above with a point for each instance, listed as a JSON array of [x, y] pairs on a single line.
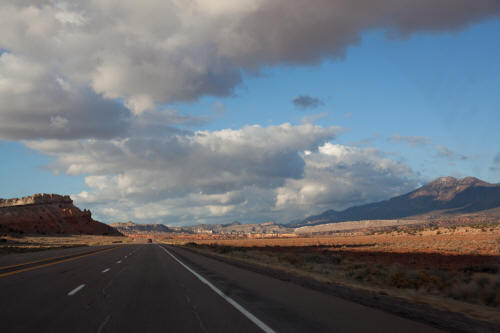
[[446, 188]]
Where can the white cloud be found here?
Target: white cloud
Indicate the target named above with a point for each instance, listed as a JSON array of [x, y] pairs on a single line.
[[336, 177], [411, 140], [18, 75], [58, 122], [66, 16], [35, 103], [255, 173], [140, 103], [201, 161], [164, 51]]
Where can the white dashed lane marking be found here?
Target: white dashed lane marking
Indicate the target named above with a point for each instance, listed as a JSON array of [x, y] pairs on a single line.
[[106, 270], [77, 289]]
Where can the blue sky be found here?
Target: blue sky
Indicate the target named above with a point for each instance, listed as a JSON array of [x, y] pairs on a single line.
[[24, 172], [418, 106]]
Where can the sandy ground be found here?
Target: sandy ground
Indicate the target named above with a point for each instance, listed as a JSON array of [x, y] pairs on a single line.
[[450, 241], [31, 243]]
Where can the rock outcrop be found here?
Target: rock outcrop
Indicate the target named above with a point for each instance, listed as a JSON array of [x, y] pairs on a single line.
[[36, 199], [48, 214], [131, 228]]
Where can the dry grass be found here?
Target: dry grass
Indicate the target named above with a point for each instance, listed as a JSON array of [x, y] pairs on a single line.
[[478, 240]]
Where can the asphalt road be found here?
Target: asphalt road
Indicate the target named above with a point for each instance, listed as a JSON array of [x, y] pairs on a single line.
[[153, 288]]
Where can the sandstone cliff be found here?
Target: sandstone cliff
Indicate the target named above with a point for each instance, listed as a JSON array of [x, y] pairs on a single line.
[[48, 214], [36, 199]]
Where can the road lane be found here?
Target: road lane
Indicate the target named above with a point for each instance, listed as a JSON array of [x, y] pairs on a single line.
[[147, 291], [39, 298], [23, 258], [150, 291], [49, 261]]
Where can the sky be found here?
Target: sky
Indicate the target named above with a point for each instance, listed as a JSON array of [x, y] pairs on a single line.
[[211, 111]]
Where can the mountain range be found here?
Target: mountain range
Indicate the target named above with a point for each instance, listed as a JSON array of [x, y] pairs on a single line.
[[444, 196]]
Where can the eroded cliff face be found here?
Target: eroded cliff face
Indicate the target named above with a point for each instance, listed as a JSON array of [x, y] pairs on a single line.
[[36, 199], [48, 214]]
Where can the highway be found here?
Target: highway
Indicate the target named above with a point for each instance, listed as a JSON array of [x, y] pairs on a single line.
[[157, 288]]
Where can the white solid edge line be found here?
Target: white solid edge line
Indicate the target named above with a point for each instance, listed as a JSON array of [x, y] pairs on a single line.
[[77, 289], [238, 307], [106, 270]]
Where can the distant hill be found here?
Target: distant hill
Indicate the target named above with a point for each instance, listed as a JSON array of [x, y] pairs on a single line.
[[48, 214], [208, 228], [445, 196], [239, 228], [131, 228]]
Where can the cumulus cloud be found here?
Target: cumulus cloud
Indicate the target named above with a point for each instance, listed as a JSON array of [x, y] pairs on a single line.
[[208, 169], [255, 173], [179, 163], [305, 102], [411, 140], [35, 103], [75, 57], [336, 177], [39, 105]]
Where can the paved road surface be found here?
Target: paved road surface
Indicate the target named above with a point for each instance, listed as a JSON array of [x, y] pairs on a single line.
[[148, 288]]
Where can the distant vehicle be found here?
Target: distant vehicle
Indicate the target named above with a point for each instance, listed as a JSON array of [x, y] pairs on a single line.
[[150, 240]]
